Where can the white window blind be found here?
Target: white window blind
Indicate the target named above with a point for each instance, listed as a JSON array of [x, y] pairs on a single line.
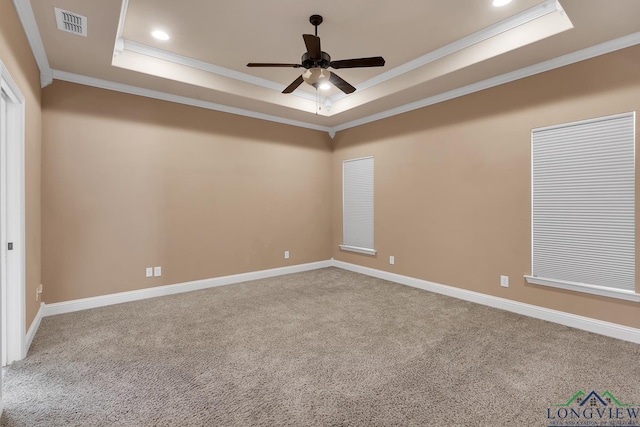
[[357, 199], [583, 204]]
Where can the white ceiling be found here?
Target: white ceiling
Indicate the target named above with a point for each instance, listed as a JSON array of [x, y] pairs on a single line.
[[434, 50]]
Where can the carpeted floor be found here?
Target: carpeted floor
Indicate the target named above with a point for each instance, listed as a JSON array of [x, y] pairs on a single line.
[[321, 348]]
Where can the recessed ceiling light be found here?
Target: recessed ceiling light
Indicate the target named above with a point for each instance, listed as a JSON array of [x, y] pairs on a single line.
[[498, 3], [160, 35]]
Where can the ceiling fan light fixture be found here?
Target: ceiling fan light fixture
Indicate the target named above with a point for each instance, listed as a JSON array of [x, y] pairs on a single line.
[[317, 77], [499, 3]]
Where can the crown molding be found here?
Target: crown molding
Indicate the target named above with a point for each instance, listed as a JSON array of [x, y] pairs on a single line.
[[164, 96], [571, 58], [30, 26], [164, 55], [119, 44], [46, 79], [524, 17], [27, 18]]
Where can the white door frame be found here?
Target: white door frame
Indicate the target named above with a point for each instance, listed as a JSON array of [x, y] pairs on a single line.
[[12, 212]]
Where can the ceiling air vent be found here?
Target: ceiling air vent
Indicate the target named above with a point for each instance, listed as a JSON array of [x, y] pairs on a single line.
[[71, 22]]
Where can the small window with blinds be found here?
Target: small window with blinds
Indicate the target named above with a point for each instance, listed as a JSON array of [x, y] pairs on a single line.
[[583, 206], [357, 201]]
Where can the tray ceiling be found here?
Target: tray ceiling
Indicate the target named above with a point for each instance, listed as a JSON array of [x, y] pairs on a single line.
[[434, 50]]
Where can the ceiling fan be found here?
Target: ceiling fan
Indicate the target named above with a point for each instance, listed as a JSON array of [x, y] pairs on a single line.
[[315, 62]]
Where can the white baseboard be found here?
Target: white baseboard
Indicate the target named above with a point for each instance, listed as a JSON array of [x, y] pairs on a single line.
[[31, 333], [580, 322], [122, 297]]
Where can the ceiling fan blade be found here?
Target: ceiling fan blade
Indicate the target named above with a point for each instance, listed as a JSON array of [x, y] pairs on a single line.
[[375, 61], [313, 45], [293, 86], [341, 84], [271, 64]]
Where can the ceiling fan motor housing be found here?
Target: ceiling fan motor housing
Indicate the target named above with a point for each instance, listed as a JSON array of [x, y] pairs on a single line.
[[323, 62]]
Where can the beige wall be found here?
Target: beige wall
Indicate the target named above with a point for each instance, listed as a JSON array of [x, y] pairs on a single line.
[[131, 182], [452, 182], [16, 55]]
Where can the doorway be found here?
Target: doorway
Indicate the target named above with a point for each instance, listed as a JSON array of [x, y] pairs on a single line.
[[12, 223]]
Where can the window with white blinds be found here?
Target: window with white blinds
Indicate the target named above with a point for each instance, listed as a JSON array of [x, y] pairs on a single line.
[[357, 200], [583, 206]]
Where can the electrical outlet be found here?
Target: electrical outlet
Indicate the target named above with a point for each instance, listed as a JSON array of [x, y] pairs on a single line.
[[157, 271], [504, 281], [286, 254], [149, 272], [39, 293], [392, 260]]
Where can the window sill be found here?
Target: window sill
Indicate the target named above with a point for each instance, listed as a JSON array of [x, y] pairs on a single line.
[[582, 287], [358, 250]]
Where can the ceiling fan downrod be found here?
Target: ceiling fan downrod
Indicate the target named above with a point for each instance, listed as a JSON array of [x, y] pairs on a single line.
[[315, 21]]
